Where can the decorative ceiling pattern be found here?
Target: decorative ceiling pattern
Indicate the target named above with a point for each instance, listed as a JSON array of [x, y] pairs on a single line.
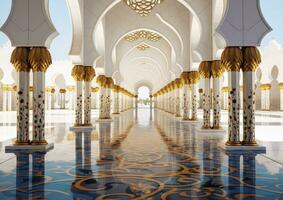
[[143, 47], [142, 7], [154, 37]]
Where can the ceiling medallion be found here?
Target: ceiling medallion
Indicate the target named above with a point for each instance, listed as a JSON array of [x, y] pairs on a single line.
[[142, 7], [154, 37], [143, 47]]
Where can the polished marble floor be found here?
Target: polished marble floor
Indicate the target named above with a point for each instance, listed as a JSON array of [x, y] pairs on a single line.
[[143, 156]]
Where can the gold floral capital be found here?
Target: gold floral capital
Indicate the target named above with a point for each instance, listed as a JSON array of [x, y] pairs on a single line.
[[185, 77], [89, 73], [217, 69], [205, 69], [252, 59], [232, 59], [39, 59], [78, 72], [194, 77], [19, 59]]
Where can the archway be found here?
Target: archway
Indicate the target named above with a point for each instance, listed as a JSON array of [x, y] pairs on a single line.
[[143, 97]]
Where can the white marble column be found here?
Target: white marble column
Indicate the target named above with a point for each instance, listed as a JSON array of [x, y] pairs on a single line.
[[206, 103], [78, 75], [62, 98], [116, 91], [281, 96], [194, 78], [89, 74], [105, 96], [232, 60], [40, 59], [19, 59], [216, 72], [252, 60]]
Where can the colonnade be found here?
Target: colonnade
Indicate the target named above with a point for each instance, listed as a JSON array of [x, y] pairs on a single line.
[[180, 95], [233, 60], [123, 99]]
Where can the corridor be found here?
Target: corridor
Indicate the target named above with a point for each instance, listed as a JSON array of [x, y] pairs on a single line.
[[134, 157]]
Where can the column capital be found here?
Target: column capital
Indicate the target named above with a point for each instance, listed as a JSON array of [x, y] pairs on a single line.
[[217, 69], [89, 73], [39, 59], [205, 69], [252, 59], [19, 59], [232, 59], [78, 72]]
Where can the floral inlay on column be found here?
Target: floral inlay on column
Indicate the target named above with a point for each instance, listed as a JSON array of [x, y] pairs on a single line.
[[194, 78], [78, 74], [232, 60], [252, 59], [40, 59], [205, 73], [89, 74], [19, 59], [217, 71]]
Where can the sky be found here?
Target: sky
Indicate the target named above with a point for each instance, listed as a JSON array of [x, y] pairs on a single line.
[[272, 10]]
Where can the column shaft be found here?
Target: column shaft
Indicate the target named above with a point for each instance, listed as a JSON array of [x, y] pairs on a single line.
[[194, 101], [216, 103], [39, 108], [234, 107], [79, 103], [87, 104], [186, 102], [249, 108], [206, 104], [23, 108]]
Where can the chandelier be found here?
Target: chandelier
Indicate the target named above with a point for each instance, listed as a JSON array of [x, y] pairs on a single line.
[[142, 7], [143, 47], [154, 37]]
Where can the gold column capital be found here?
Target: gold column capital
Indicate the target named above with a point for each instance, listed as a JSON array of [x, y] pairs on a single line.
[[232, 59], [217, 69], [19, 59], [39, 59], [78, 72], [194, 77], [185, 77], [89, 73], [252, 59], [205, 69], [62, 91]]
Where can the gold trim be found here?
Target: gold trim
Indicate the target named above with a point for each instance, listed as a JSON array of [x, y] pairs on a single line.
[[142, 7], [265, 86]]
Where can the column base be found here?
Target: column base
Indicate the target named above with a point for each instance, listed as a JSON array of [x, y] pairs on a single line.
[[249, 143], [261, 149], [44, 147], [104, 120], [189, 121], [41, 142], [82, 128], [233, 144], [116, 113], [211, 130], [22, 142]]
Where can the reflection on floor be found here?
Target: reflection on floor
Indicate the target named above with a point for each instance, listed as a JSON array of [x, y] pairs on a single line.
[[137, 158]]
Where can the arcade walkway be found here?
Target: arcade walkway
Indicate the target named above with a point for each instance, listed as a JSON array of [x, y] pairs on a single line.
[[142, 159]]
